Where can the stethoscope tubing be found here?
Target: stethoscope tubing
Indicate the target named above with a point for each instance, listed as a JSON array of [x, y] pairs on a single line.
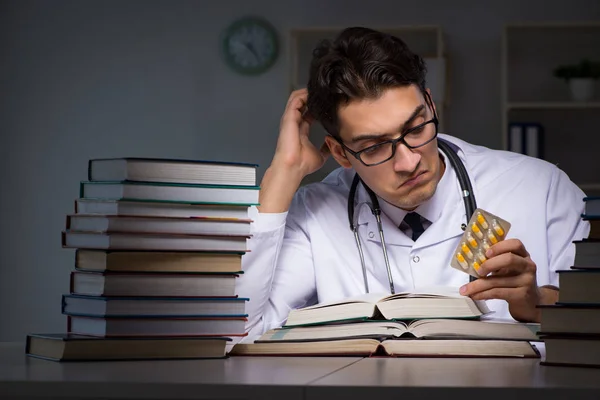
[[466, 192]]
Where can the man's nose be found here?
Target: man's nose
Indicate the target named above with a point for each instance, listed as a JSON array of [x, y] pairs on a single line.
[[405, 159]]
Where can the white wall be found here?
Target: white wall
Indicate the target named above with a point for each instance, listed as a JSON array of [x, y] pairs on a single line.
[[86, 79]]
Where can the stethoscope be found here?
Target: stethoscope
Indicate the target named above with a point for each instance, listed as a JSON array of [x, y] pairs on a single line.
[[466, 191]]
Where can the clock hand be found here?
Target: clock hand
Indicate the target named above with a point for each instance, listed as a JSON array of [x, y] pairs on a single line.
[[250, 47]]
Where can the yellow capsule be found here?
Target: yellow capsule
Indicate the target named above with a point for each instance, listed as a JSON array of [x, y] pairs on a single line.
[[476, 266], [482, 221], [481, 257], [493, 239], [461, 260], [476, 230], [485, 244], [471, 240], [497, 228], [466, 250]]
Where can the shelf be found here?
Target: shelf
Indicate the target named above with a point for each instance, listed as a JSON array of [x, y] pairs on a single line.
[[554, 25], [553, 105], [589, 186], [329, 29]]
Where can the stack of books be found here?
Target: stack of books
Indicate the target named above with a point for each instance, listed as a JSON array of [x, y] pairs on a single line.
[[427, 323], [571, 328], [158, 250]]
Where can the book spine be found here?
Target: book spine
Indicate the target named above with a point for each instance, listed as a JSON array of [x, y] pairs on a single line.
[[76, 259], [71, 281], [89, 170], [28, 344]]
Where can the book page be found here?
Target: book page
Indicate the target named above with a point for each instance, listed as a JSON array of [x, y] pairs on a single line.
[[371, 298], [460, 348], [378, 329], [427, 291], [364, 347], [438, 291], [455, 328]]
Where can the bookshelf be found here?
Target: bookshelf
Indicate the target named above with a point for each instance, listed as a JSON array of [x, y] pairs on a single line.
[[532, 94], [425, 40]]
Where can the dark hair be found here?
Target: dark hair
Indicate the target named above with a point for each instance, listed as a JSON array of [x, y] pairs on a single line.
[[360, 63]]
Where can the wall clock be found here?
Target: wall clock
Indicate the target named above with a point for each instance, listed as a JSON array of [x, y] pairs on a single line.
[[250, 45]]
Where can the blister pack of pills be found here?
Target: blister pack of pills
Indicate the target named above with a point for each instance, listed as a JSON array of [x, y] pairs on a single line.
[[483, 231]]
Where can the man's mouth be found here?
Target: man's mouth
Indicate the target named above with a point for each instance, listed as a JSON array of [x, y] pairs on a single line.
[[416, 179]]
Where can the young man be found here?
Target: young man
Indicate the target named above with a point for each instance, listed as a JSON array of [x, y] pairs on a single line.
[[368, 90]]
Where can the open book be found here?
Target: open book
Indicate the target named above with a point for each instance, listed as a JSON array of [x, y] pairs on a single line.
[[437, 302], [438, 323], [423, 329], [394, 347]]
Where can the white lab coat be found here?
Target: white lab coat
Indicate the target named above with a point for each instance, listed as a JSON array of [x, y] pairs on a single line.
[[309, 254]]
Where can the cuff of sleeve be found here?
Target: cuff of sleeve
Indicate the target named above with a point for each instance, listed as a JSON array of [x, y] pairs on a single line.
[[266, 222]]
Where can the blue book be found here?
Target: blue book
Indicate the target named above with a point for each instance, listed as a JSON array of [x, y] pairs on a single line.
[[153, 307]]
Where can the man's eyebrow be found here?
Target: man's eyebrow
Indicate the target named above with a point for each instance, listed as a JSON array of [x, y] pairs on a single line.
[[370, 136]]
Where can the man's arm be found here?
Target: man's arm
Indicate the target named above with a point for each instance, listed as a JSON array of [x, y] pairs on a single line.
[[511, 275], [278, 270]]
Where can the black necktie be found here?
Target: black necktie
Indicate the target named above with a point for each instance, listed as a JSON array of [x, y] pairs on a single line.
[[414, 221]]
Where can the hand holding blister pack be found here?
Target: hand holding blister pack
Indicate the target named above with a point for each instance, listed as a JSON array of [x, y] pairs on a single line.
[[483, 231]]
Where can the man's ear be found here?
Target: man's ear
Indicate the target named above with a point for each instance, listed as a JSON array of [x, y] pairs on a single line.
[[337, 151]]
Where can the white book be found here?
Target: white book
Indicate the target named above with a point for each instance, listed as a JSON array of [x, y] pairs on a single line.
[[172, 170], [159, 209], [157, 242], [431, 302], [236, 195], [184, 226]]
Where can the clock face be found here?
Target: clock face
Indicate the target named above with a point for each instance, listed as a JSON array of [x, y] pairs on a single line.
[[250, 46]]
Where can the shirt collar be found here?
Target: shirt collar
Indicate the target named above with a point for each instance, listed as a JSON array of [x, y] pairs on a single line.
[[432, 208]]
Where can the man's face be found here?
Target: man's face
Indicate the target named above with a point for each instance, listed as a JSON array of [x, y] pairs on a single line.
[[411, 176]]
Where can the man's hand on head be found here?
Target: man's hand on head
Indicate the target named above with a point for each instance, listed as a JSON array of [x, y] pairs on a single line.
[[295, 156]]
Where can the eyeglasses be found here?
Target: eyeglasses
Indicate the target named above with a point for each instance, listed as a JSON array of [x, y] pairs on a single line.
[[412, 138]]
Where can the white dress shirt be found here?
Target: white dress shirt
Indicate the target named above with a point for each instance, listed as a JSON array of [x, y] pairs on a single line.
[[309, 254]]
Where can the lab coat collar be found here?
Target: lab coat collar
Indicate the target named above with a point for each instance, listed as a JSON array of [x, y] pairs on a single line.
[[445, 210]]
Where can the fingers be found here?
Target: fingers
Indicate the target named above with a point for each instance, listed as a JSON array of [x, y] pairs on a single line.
[[508, 246], [497, 286], [506, 264], [508, 294], [296, 104], [295, 108]]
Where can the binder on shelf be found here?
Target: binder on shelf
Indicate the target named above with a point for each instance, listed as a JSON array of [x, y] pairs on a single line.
[[526, 138], [516, 138]]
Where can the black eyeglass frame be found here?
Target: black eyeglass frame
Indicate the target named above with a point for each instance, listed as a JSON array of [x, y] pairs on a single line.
[[394, 142]]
